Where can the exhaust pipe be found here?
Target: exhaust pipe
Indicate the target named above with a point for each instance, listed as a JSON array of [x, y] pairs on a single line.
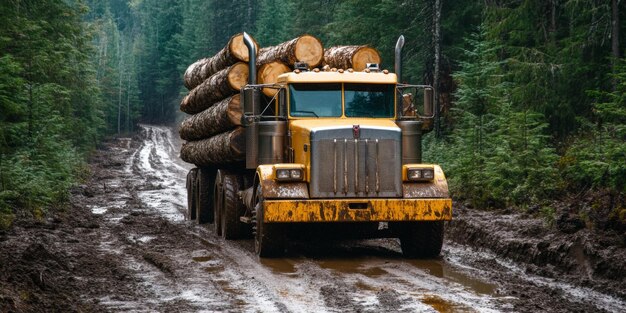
[[398, 69], [398, 64], [247, 39], [251, 107]]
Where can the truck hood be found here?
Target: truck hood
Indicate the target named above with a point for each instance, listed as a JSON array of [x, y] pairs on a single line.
[[305, 126]]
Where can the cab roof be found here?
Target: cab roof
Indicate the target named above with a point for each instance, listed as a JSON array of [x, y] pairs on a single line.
[[337, 77]]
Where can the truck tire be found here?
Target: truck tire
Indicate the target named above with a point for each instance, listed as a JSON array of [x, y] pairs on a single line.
[[231, 208], [269, 240], [192, 194], [204, 200], [421, 239], [218, 201]]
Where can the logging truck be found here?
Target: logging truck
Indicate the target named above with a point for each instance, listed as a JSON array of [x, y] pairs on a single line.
[[334, 149]]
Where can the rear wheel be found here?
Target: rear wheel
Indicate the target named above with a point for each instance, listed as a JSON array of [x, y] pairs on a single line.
[[231, 208], [204, 201], [192, 193], [218, 202], [421, 239], [269, 240]]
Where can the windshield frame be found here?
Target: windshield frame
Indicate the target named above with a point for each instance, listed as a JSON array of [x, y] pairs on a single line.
[[343, 102]]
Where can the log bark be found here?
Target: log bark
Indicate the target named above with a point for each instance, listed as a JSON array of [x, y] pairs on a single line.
[[305, 48], [224, 148], [219, 86], [268, 74], [234, 51], [220, 117], [355, 57]]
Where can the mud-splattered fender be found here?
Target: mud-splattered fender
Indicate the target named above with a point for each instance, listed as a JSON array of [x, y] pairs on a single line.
[[279, 190], [438, 188]]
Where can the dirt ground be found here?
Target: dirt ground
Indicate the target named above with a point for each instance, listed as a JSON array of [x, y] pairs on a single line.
[[123, 245]]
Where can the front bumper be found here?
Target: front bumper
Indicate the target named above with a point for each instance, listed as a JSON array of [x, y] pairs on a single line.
[[357, 210]]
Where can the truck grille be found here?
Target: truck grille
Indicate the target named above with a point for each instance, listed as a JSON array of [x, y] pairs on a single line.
[[342, 166]]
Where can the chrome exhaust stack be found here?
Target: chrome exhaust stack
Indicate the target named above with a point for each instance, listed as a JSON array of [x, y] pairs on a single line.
[[251, 97], [247, 39], [398, 69], [398, 59]]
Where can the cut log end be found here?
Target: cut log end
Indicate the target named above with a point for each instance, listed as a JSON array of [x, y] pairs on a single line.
[[363, 56], [238, 142], [310, 50], [268, 74], [239, 49], [238, 75]]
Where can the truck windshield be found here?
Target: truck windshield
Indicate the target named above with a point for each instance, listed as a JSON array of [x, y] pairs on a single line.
[[315, 100], [371, 100]]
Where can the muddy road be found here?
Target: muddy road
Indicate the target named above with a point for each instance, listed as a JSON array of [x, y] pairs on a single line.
[[126, 246]]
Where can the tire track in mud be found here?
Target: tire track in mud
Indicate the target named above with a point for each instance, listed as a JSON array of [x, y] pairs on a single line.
[[179, 266]]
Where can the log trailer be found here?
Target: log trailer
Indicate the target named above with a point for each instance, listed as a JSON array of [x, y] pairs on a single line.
[[335, 149]]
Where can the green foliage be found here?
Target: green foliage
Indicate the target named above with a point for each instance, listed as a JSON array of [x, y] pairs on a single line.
[[115, 35], [271, 26], [50, 106], [598, 158], [495, 155]]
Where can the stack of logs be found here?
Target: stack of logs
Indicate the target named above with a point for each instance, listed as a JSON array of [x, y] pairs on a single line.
[[213, 132]]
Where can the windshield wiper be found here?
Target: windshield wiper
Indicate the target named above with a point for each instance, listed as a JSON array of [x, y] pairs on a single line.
[[306, 112]]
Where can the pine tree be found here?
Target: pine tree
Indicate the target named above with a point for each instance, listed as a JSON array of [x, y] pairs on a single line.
[[495, 155]]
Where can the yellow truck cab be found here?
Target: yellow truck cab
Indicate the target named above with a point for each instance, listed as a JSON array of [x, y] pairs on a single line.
[[332, 147]]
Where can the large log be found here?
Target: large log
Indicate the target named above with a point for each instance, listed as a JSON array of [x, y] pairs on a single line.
[[224, 148], [234, 51], [218, 118], [268, 74], [219, 86], [305, 48], [355, 57]]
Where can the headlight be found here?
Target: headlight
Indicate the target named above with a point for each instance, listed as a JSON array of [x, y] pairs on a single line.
[[296, 174], [282, 174], [289, 174], [428, 174], [420, 174], [414, 174]]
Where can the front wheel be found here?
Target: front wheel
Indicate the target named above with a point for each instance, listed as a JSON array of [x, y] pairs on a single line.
[[269, 240], [420, 239]]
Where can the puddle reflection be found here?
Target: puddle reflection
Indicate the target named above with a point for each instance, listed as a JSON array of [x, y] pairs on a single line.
[[441, 269], [280, 266]]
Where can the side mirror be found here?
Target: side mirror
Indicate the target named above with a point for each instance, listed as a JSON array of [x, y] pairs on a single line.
[[282, 102], [428, 102]]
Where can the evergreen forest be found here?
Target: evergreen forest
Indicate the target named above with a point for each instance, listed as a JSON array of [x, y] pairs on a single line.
[[531, 93]]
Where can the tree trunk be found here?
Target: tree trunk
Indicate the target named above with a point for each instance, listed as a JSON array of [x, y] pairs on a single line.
[[355, 57], [120, 47], [268, 74], [219, 86], [305, 48], [222, 116], [220, 149], [235, 51], [437, 46], [615, 53]]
